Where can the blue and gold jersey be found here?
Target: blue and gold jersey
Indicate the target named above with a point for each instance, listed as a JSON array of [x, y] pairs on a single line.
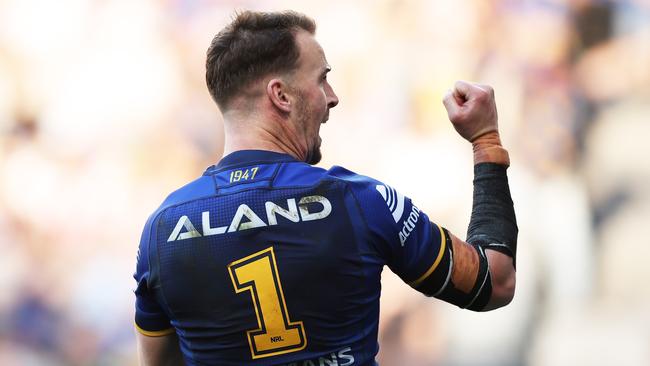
[[266, 260]]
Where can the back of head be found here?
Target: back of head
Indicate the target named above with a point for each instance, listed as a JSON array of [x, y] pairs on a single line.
[[252, 46]]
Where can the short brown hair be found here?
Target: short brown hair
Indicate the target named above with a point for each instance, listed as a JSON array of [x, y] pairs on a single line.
[[252, 46]]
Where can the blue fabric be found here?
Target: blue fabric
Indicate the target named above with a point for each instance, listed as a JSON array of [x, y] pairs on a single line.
[[328, 259]]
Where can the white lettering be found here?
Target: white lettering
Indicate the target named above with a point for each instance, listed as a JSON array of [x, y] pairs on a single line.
[[294, 213], [183, 222], [402, 237], [207, 230], [409, 224], [322, 361], [344, 356], [413, 218], [272, 209], [253, 220], [309, 216]]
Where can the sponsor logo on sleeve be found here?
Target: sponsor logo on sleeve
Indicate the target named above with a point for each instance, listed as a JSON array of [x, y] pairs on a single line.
[[395, 202]]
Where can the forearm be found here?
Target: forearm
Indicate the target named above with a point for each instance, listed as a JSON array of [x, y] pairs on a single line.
[[493, 224]]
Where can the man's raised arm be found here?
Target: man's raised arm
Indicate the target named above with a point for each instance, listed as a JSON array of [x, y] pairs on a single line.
[[483, 276]]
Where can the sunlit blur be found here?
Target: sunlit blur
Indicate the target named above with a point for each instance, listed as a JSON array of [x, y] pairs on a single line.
[[104, 111]]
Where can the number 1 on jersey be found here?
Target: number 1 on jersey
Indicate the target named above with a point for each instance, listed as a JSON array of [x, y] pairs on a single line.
[[276, 334]]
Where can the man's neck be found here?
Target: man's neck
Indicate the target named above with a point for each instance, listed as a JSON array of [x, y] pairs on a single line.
[[259, 134]]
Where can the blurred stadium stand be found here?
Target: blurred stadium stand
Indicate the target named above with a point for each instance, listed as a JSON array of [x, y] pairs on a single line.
[[103, 111]]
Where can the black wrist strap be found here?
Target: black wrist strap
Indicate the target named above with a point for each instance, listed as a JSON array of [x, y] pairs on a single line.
[[493, 224]]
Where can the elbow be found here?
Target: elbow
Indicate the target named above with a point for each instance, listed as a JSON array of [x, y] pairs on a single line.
[[503, 276], [503, 290]]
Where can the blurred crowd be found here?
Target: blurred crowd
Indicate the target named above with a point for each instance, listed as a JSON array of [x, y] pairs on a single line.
[[104, 111]]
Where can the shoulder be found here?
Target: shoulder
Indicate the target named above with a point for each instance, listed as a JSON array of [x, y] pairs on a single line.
[[380, 202], [369, 194], [361, 184], [347, 175], [199, 188], [358, 184]]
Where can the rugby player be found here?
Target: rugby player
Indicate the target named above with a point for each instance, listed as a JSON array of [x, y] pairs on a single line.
[[268, 260]]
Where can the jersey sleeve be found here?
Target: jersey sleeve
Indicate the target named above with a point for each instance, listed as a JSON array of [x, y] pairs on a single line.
[[412, 246], [150, 318]]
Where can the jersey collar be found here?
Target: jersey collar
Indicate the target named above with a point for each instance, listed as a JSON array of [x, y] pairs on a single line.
[[243, 157]]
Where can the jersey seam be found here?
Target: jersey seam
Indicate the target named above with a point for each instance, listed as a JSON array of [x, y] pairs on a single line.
[[356, 201], [160, 281], [252, 162], [167, 207], [235, 184], [155, 218]]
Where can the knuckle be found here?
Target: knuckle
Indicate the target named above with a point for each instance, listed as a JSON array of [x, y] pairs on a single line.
[[488, 90], [483, 88], [482, 94]]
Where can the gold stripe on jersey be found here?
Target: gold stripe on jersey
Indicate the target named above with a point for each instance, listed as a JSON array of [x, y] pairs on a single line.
[[443, 244], [155, 333]]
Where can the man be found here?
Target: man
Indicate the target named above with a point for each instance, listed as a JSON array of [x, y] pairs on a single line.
[[267, 260]]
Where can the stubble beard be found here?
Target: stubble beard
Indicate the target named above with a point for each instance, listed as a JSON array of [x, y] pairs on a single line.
[[305, 114], [314, 156]]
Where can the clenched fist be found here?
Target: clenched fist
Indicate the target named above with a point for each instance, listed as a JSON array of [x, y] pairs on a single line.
[[471, 109], [473, 113]]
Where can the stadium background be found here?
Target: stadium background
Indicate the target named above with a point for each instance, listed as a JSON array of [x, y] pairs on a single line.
[[103, 111]]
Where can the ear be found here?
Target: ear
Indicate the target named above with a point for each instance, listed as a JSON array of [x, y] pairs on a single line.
[[276, 91]]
